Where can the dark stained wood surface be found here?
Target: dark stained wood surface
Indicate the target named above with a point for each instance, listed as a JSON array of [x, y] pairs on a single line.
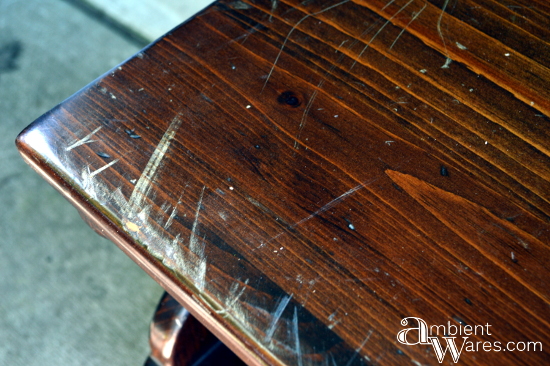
[[304, 176]]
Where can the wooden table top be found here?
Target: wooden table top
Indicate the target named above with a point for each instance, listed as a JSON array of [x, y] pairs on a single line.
[[305, 176]]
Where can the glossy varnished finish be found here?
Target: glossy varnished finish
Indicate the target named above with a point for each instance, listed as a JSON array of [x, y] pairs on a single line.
[[303, 176]]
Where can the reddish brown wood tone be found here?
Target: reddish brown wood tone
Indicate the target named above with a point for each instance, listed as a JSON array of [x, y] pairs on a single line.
[[304, 176]]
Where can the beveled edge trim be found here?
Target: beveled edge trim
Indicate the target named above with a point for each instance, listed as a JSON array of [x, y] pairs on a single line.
[[139, 255]]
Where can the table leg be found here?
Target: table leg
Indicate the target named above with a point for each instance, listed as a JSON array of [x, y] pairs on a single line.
[[178, 339]]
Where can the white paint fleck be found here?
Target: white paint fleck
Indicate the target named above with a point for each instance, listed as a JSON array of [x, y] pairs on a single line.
[[248, 106], [507, 54], [461, 46], [333, 320], [447, 63], [423, 71]]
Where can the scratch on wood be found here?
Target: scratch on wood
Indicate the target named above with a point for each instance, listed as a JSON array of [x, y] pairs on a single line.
[[359, 348], [445, 66], [85, 140], [193, 241], [171, 218], [314, 95], [333, 320], [103, 168], [290, 33], [408, 24], [143, 185], [298, 349], [273, 8], [236, 297], [304, 116], [378, 32], [174, 210], [388, 4], [323, 209], [276, 316]]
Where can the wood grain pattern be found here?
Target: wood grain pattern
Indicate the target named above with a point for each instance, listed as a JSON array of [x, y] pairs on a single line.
[[303, 176]]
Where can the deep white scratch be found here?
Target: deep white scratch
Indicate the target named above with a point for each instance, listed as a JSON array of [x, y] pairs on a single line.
[[171, 218], [103, 168], [290, 33], [197, 246], [85, 140], [298, 349], [174, 210], [143, 185], [193, 241], [276, 316], [165, 207], [237, 297]]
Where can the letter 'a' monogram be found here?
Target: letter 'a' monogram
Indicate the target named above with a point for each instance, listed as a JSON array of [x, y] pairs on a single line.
[[422, 331]]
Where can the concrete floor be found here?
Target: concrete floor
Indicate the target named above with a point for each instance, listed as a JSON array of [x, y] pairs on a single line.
[[67, 296]]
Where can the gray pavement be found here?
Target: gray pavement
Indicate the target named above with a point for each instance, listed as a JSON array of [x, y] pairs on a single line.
[[67, 296]]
